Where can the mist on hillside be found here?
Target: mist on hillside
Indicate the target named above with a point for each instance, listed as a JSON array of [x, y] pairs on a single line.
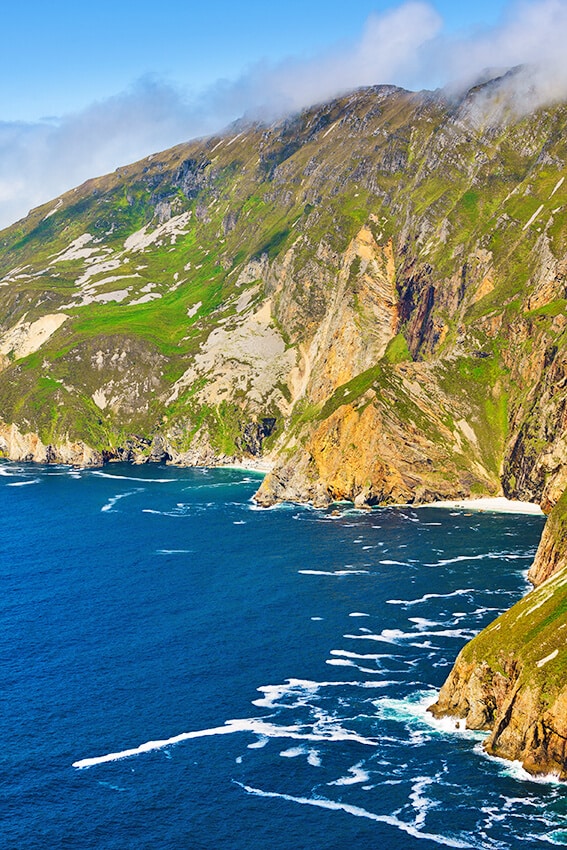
[[405, 46]]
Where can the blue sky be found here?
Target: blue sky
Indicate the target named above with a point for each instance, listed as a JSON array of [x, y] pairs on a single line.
[[58, 56], [87, 87]]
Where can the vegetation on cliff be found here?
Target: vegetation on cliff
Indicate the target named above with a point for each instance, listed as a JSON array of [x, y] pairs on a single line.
[[392, 259], [512, 679], [372, 294]]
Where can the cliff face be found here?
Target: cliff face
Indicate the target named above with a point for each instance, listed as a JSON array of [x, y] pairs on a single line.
[[371, 295], [359, 447], [551, 555], [511, 680], [29, 448]]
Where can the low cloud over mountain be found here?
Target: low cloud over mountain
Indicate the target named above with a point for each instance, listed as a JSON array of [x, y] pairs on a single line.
[[405, 46]]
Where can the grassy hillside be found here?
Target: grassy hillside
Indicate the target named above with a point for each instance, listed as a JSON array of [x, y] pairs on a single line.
[[387, 240]]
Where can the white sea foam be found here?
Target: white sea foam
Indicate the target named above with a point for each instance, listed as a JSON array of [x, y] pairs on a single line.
[[358, 614], [150, 746], [356, 776], [293, 752], [557, 837], [428, 596], [222, 484], [173, 551], [344, 662], [362, 657], [419, 801], [178, 512], [327, 730], [259, 743], [487, 556], [114, 499], [132, 478], [413, 713], [395, 563], [9, 472], [333, 573], [24, 483], [279, 506], [302, 690], [422, 623], [516, 770], [313, 758], [357, 811], [397, 636]]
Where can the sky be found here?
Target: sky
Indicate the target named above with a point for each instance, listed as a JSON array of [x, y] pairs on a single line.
[[92, 86]]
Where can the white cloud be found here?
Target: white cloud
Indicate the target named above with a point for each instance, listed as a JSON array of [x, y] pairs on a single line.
[[39, 161], [405, 46], [388, 51], [532, 34]]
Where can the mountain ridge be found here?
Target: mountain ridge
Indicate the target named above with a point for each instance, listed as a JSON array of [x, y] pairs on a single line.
[[371, 294]]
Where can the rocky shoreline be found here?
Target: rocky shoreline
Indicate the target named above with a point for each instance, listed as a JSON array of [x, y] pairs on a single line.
[[510, 680], [379, 312]]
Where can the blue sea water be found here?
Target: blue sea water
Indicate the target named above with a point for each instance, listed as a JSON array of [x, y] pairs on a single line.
[[180, 669]]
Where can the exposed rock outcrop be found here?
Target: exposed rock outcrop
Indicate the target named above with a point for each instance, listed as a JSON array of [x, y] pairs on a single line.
[[28, 447], [372, 294], [551, 556], [511, 680]]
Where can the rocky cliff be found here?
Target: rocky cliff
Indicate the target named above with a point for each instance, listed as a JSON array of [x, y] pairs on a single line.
[[511, 680], [371, 295]]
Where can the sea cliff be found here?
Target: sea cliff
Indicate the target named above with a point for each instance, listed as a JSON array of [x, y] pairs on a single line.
[[511, 681], [370, 295]]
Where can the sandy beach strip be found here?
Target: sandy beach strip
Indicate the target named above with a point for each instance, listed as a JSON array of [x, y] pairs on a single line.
[[498, 504], [261, 466]]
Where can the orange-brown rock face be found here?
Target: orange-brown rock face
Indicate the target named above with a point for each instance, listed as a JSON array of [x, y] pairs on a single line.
[[348, 453], [551, 556], [366, 452], [529, 732], [341, 310]]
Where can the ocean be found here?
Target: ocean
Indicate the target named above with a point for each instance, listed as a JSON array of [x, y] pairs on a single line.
[[181, 669]]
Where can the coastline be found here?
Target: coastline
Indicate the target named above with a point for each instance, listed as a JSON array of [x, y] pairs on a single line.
[[495, 504], [263, 467], [492, 504]]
